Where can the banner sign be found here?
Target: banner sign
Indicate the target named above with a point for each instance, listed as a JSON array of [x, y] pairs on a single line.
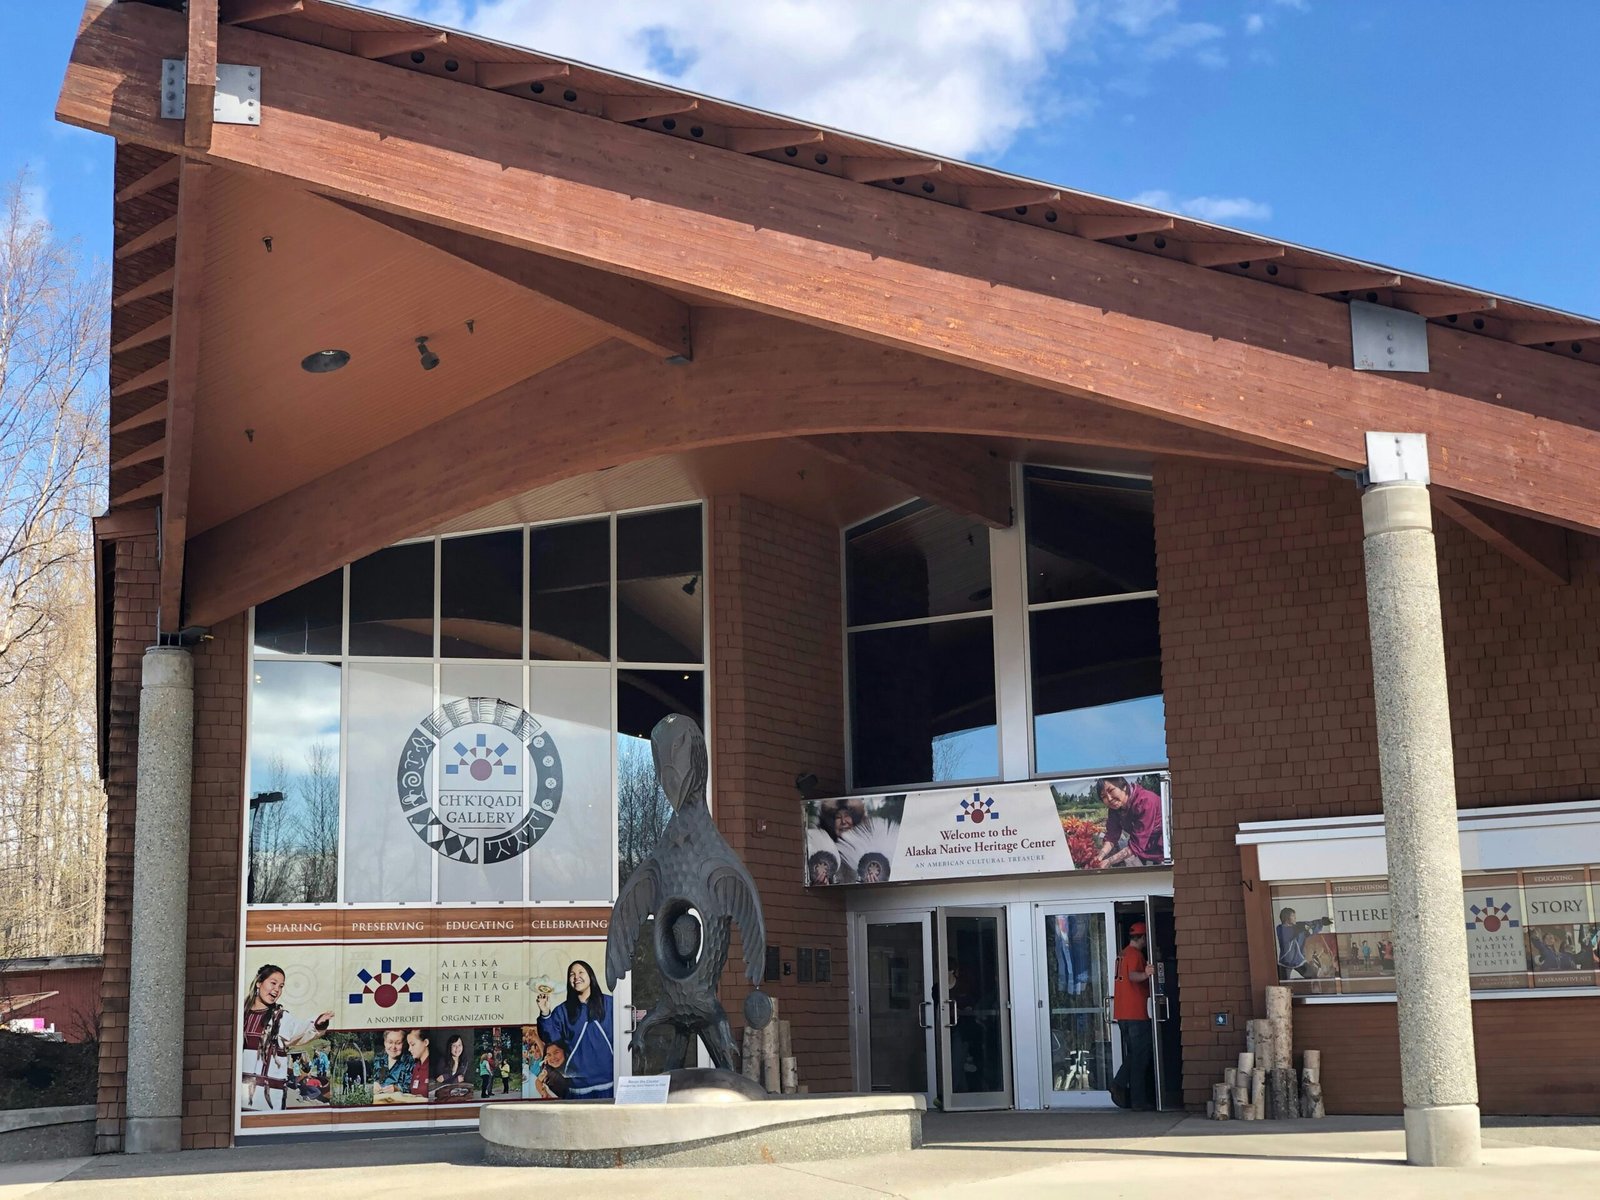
[[1083, 824]]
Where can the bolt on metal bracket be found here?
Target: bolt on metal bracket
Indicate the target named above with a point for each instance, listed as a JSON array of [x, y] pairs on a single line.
[[238, 96]]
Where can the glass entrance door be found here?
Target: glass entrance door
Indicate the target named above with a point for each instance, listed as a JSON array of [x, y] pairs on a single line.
[[1073, 976], [899, 1003], [974, 1009]]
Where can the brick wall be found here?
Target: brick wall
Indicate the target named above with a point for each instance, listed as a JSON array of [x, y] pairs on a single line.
[[1267, 676], [776, 689], [214, 838], [132, 600]]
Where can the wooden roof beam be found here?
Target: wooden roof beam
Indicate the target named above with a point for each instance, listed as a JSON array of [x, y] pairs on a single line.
[[1536, 546], [166, 173], [1202, 349], [1537, 333], [1429, 304], [162, 231], [153, 332], [642, 108], [151, 487], [1220, 254], [1103, 228], [956, 474], [997, 199], [753, 141], [385, 43], [517, 74], [156, 412], [875, 170], [243, 12], [156, 285], [156, 449], [200, 74], [156, 374], [1325, 283], [634, 312], [184, 370]]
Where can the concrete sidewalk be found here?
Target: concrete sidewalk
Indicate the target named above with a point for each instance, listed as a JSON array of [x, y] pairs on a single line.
[[967, 1157]]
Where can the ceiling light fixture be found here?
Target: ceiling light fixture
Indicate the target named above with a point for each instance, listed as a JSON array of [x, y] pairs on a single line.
[[324, 361], [430, 360]]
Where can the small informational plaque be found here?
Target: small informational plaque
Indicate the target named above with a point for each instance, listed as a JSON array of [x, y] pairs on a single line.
[[643, 1089]]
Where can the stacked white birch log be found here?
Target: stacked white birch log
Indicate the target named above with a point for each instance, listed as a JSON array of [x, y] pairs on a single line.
[[767, 1056], [1264, 1085]]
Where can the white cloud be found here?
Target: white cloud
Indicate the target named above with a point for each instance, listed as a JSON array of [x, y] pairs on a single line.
[[1254, 23], [1198, 37], [959, 77], [1224, 210], [36, 203]]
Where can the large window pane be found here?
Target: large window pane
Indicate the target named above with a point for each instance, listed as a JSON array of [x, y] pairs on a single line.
[[294, 783], [569, 599], [922, 704], [1097, 687], [1088, 536], [480, 771], [659, 586], [391, 602], [385, 859], [480, 596], [572, 861], [304, 621], [918, 561]]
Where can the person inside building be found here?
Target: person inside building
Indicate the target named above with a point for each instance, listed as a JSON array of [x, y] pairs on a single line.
[[583, 1023], [1130, 1008], [1133, 824], [1292, 935]]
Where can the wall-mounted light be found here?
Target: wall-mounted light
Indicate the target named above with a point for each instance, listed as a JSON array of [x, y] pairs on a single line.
[[323, 361], [430, 360], [688, 588]]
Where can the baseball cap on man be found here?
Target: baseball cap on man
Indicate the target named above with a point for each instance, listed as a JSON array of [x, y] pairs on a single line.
[[1136, 929]]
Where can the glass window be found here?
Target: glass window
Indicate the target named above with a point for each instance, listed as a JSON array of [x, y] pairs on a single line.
[[391, 602], [569, 581], [304, 621], [572, 860], [917, 561], [922, 703], [480, 771], [480, 596], [294, 783], [659, 586], [1097, 687], [1088, 535], [385, 857]]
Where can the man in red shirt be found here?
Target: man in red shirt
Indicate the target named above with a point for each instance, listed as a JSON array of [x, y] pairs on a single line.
[[1130, 1008]]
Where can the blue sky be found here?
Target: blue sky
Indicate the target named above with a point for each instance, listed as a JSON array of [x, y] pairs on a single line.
[[1457, 140]]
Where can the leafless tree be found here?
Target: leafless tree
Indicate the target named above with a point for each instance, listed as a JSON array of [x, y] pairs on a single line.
[[272, 838], [319, 826], [52, 466]]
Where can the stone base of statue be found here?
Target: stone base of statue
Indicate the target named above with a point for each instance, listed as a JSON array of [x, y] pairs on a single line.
[[705, 1123]]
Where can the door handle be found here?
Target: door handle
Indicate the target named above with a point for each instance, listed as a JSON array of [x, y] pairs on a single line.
[[923, 1015], [1163, 1008], [949, 1007]]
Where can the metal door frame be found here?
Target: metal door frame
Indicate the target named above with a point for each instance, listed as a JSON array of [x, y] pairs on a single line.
[[946, 1017], [1106, 910], [862, 1017]]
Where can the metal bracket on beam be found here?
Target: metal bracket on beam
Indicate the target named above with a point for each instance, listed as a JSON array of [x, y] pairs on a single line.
[[1387, 339], [238, 100]]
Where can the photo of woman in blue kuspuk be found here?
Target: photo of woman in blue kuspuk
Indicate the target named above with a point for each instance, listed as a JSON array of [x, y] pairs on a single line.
[[582, 1026]]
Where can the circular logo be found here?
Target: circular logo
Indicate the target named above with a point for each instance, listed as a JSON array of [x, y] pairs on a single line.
[[495, 781]]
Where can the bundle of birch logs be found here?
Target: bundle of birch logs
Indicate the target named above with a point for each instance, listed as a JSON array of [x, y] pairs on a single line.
[[1264, 1086], [767, 1056]]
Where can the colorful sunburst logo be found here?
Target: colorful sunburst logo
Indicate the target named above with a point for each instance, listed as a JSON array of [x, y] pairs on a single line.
[[978, 809], [1491, 916], [387, 987], [480, 762]]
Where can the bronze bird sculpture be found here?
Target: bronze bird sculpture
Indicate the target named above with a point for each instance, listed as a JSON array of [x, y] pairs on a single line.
[[693, 885]]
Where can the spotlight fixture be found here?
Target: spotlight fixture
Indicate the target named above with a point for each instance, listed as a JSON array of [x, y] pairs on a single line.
[[430, 360], [324, 361], [688, 588], [807, 785]]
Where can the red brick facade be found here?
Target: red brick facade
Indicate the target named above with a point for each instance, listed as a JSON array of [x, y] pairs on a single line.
[[1267, 675], [777, 712]]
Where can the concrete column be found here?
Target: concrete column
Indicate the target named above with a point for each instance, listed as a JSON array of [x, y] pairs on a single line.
[[156, 1006], [1437, 1070]]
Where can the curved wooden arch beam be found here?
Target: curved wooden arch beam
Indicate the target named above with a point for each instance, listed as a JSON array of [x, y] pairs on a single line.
[[756, 378]]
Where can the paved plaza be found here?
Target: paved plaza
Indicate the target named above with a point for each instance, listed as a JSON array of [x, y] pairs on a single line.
[[967, 1157]]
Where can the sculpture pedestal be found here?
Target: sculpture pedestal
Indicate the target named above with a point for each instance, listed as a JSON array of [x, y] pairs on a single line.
[[689, 1134]]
